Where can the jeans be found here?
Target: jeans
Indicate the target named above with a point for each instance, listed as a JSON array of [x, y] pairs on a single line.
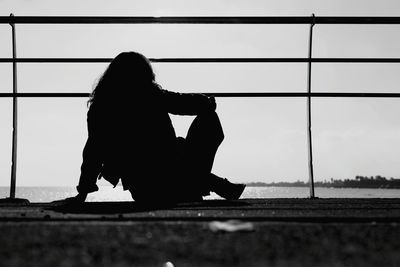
[[192, 178]]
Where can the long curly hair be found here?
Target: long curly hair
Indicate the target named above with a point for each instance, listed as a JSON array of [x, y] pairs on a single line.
[[128, 73]]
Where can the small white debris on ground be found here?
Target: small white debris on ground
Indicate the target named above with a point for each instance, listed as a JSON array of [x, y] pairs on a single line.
[[231, 226]]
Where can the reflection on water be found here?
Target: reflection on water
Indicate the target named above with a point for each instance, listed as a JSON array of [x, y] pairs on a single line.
[[108, 193]]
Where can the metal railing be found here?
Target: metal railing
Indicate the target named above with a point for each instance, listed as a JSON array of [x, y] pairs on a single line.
[[312, 20]]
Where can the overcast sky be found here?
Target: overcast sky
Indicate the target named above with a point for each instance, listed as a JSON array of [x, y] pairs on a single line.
[[265, 137]]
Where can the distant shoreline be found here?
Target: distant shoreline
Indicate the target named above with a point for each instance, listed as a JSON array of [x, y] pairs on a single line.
[[318, 186], [377, 182]]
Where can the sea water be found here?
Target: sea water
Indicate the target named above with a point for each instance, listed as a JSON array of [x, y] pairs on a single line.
[[108, 193]]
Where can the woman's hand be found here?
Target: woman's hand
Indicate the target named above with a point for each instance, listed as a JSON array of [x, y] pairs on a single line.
[[212, 102], [78, 199]]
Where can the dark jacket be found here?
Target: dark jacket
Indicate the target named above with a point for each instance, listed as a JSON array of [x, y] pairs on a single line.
[[134, 140]]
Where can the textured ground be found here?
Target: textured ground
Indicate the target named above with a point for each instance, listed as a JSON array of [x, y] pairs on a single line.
[[286, 232]]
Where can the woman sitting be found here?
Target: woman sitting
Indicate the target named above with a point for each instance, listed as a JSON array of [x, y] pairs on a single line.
[[131, 138]]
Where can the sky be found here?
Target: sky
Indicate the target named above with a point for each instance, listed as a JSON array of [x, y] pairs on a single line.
[[265, 137]]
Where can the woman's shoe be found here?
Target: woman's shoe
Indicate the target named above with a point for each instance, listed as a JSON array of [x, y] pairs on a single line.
[[228, 190]]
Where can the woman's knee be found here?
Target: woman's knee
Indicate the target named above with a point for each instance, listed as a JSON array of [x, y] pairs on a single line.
[[207, 124]]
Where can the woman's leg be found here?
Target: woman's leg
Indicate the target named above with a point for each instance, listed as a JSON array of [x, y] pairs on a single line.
[[202, 141], [204, 136]]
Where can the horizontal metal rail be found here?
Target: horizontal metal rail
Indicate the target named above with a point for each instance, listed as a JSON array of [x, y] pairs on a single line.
[[196, 20], [230, 94], [207, 60]]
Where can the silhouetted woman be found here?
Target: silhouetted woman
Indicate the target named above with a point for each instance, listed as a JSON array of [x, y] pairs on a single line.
[[131, 138]]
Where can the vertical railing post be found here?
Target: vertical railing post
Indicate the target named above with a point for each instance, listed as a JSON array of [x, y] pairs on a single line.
[[15, 109], [309, 137]]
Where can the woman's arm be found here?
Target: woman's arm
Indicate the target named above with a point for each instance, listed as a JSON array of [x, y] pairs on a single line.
[[90, 169], [91, 164]]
